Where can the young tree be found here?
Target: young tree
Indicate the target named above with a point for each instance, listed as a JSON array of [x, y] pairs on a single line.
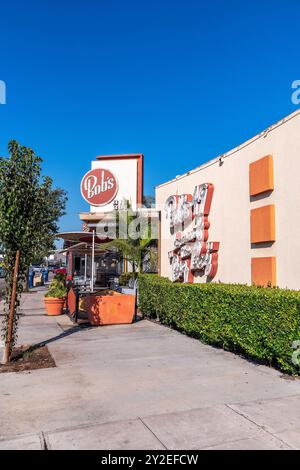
[[51, 203], [29, 210]]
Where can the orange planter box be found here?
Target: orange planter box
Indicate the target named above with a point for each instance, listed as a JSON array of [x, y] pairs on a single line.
[[111, 309]]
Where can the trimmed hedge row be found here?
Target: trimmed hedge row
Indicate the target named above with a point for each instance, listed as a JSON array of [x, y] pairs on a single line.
[[261, 323]]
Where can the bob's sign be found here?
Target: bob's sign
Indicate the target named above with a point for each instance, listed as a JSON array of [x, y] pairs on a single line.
[[99, 187], [113, 183]]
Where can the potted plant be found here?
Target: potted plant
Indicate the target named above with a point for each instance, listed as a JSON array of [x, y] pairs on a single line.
[[55, 297]]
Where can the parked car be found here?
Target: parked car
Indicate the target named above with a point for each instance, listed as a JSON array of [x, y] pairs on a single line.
[[61, 270], [2, 272], [52, 268]]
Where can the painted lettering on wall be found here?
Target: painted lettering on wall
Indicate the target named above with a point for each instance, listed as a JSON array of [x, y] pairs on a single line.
[[192, 254]]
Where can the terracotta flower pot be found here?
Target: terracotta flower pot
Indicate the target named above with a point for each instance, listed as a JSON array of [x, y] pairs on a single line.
[[53, 305]]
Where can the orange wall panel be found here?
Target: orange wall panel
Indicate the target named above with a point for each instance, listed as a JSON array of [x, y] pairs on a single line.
[[261, 175], [262, 222], [263, 271]]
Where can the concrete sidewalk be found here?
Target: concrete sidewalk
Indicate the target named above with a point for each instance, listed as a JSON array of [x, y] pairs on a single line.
[[141, 386]]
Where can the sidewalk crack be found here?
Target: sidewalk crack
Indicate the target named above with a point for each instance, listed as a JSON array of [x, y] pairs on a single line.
[[43, 441], [153, 433], [260, 426]]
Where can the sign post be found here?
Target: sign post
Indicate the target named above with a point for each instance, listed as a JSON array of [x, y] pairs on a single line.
[[93, 262], [85, 263]]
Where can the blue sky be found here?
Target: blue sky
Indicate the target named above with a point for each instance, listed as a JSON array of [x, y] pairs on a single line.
[[180, 81]]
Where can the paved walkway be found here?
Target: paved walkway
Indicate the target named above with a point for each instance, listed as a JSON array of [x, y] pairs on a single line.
[[141, 386]]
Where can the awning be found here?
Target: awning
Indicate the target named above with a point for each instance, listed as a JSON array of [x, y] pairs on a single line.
[[88, 243], [86, 237], [83, 248]]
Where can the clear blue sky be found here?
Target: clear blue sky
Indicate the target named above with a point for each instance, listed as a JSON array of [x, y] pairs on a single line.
[[180, 81]]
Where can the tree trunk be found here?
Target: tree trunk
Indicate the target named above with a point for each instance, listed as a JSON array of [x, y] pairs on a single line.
[[9, 337]]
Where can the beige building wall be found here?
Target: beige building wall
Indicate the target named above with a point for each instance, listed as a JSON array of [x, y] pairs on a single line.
[[230, 210]]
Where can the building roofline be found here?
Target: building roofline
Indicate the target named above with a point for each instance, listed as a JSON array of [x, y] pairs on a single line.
[[119, 156], [215, 160]]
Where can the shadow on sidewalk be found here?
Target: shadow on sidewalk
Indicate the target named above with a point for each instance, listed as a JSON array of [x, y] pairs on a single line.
[[63, 334]]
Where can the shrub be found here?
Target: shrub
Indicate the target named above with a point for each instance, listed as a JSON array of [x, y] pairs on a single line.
[[125, 278], [60, 277], [57, 287], [261, 323]]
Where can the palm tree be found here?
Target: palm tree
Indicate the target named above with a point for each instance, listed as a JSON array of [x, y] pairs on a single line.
[[133, 249]]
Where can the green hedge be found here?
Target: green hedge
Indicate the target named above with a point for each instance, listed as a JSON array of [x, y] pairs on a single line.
[[261, 323]]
